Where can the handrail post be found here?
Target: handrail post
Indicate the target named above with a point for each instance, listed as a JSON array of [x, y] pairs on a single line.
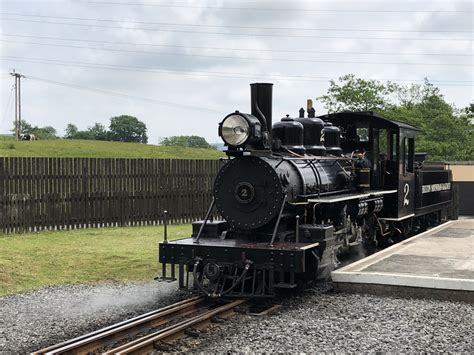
[[165, 227], [278, 222], [297, 231], [209, 211]]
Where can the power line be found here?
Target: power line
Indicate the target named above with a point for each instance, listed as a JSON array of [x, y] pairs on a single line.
[[119, 94], [268, 8], [238, 58], [233, 33], [232, 26], [151, 70], [275, 77], [236, 49]]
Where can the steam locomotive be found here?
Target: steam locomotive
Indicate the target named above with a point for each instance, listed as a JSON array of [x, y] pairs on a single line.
[[295, 197]]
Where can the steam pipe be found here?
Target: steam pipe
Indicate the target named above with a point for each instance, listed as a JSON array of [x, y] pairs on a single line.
[[261, 105]]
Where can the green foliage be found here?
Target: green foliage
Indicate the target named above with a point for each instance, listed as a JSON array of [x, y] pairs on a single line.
[[25, 127], [122, 129], [354, 94], [127, 129], [96, 132], [186, 141], [86, 135], [46, 132], [71, 131], [99, 132], [448, 132]]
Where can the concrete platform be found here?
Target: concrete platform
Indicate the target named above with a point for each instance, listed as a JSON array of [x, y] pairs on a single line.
[[438, 263]]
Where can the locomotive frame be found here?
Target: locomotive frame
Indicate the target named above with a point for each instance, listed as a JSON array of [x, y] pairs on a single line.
[[292, 207]]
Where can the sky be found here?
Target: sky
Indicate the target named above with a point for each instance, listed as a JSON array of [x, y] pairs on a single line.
[[181, 66]]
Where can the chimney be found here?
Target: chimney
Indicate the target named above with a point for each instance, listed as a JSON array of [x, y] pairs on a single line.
[[261, 104]]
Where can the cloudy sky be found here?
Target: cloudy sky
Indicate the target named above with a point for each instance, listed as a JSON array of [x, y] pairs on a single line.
[[180, 66]]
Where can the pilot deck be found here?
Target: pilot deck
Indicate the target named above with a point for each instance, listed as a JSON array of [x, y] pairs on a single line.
[[437, 263]]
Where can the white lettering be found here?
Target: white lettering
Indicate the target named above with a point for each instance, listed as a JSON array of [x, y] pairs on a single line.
[[436, 187], [406, 190]]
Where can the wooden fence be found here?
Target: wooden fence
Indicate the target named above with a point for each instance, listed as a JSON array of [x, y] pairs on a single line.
[[65, 193]]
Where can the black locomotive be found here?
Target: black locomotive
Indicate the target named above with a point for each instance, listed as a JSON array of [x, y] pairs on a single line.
[[296, 196]]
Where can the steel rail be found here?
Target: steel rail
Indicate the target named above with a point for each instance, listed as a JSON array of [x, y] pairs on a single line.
[[148, 343], [117, 332]]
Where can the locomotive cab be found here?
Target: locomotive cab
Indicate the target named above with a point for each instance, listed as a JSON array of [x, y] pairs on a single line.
[[389, 149]]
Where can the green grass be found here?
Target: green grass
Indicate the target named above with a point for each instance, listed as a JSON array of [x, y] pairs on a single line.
[[73, 148], [35, 260]]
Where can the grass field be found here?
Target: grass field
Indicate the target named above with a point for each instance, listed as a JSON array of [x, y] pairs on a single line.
[[99, 149], [42, 259]]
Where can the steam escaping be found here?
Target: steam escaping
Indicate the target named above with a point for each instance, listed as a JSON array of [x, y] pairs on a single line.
[[354, 253], [115, 297]]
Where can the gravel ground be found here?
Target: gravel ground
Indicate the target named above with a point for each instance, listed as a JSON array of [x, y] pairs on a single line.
[[318, 320], [37, 319], [323, 321]]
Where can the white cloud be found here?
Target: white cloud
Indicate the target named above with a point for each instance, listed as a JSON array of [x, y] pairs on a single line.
[[45, 104]]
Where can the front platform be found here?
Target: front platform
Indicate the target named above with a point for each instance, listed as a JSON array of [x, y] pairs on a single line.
[[285, 256], [228, 267], [438, 263]]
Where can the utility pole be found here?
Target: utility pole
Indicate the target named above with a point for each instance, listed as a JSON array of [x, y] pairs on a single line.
[[17, 77]]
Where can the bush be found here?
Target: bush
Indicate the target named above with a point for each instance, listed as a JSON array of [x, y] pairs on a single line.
[[186, 141]]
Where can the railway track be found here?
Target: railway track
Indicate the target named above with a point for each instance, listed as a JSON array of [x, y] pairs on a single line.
[[151, 331]]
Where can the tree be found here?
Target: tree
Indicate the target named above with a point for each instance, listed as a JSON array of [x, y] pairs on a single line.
[[98, 132], [354, 94], [186, 141], [71, 131], [46, 132], [26, 128], [447, 132], [127, 129]]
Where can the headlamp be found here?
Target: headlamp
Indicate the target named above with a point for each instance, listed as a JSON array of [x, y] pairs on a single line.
[[241, 130], [235, 130]]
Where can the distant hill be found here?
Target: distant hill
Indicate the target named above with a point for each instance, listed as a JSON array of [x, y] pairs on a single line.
[[98, 149], [219, 146]]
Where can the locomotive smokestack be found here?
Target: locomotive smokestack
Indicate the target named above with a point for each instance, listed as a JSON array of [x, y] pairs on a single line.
[[261, 103]]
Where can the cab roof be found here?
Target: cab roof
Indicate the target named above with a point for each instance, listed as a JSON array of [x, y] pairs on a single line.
[[368, 119]]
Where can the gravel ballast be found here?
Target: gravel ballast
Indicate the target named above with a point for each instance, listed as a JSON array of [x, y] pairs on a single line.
[[321, 320], [318, 320], [37, 319]]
